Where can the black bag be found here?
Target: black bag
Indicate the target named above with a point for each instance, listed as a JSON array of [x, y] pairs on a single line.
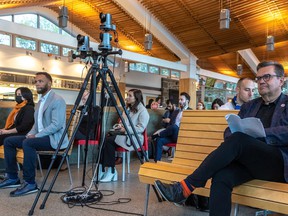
[[200, 202]]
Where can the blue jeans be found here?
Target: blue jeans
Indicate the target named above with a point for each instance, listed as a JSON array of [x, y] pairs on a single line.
[[169, 135], [29, 146]]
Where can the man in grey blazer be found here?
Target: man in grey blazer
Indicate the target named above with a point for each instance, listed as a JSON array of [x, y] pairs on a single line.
[[50, 121]]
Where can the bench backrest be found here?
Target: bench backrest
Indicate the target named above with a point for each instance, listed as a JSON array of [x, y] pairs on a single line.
[[200, 133]]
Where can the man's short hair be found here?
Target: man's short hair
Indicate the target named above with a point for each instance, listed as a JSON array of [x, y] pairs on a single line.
[[47, 75], [187, 96], [241, 80], [278, 68]]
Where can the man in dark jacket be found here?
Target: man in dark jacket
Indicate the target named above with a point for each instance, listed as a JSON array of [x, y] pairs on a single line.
[[170, 134]]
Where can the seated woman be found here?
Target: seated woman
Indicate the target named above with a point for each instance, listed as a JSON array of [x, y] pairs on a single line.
[[21, 118], [140, 118]]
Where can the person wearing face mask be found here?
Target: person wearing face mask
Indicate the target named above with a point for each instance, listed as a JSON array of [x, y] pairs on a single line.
[[170, 134], [140, 118], [20, 119]]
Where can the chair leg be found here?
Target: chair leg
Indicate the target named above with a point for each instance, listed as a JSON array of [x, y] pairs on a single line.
[[236, 209], [173, 152], [69, 170], [78, 158], [146, 200], [40, 166], [128, 162], [123, 165]]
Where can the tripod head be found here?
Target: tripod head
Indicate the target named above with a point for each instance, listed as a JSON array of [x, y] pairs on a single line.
[[83, 47]]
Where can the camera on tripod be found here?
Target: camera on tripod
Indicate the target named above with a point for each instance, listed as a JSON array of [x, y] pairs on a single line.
[[105, 36]]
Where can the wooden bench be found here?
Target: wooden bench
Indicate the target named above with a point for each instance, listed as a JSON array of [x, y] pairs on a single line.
[[200, 133]]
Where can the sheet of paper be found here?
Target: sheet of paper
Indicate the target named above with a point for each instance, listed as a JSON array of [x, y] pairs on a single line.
[[251, 125]]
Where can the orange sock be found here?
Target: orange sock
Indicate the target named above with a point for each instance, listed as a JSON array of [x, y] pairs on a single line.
[[186, 191]]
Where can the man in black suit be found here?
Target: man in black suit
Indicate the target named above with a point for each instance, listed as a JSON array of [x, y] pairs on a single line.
[[241, 158], [170, 134]]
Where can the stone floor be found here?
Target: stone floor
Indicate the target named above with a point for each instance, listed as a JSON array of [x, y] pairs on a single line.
[[131, 189]]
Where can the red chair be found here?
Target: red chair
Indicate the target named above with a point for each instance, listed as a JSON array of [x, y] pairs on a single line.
[[83, 142], [173, 146], [125, 151]]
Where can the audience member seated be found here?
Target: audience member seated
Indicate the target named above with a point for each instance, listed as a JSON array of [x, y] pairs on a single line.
[[245, 88], [200, 106], [140, 118], [241, 158], [170, 134], [148, 106], [20, 119], [81, 132], [167, 115], [216, 104], [50, 123]]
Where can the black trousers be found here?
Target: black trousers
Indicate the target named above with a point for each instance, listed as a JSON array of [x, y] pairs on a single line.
[[108, 152], [237, 160]]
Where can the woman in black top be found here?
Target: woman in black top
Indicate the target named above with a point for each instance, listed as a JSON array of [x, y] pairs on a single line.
[[21, 118]]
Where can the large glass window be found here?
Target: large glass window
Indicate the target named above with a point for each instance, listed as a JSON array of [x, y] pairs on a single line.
[[26, 19], [49, 48], [154, 69], [47, 25], [141, 67], [32, 21], [165, 72], [175, 74], [25, 43], [65, 51], [8, 18], [5, 39]]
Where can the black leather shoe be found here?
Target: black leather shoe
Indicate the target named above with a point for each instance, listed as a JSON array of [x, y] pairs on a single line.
[[25, 189], [10, 183], [171, 192]]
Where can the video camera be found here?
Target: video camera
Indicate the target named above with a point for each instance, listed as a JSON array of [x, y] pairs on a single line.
[[83, 46]]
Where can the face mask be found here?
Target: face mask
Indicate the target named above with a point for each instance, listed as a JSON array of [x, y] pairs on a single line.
[[18, 99]]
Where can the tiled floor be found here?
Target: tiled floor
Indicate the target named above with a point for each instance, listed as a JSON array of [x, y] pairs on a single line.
[[131, 188]]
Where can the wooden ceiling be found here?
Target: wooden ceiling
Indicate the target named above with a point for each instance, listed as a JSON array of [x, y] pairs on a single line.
[[194, 23]]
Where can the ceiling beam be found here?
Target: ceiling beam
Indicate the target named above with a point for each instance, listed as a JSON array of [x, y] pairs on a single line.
[[145, 18], [250, 58]]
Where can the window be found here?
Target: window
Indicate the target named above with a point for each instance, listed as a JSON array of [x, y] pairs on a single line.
[[32, 21], [141, 67], [8, 18], [175, 74], [26, 19], [5, 39], [47, 25], [65, 51], [49, 48], [153, 69], [25, 43], [165, 72]]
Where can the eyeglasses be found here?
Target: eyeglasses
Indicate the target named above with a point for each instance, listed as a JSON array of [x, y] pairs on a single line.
[[265, 77]]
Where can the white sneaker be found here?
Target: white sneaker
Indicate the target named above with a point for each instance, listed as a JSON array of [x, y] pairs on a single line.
[[109, 176]]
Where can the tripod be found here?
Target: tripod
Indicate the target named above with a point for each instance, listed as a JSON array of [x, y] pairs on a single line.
[[95, 74]]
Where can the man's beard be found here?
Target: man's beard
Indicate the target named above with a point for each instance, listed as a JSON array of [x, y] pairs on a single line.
[[43, 90], [182, 105]]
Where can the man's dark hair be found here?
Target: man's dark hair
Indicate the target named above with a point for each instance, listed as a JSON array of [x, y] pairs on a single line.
[[47, 75], [138, 99], [278, 68], [187, 96]]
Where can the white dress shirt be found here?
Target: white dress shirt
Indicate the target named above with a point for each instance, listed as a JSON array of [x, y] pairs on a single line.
[[40, 111]]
